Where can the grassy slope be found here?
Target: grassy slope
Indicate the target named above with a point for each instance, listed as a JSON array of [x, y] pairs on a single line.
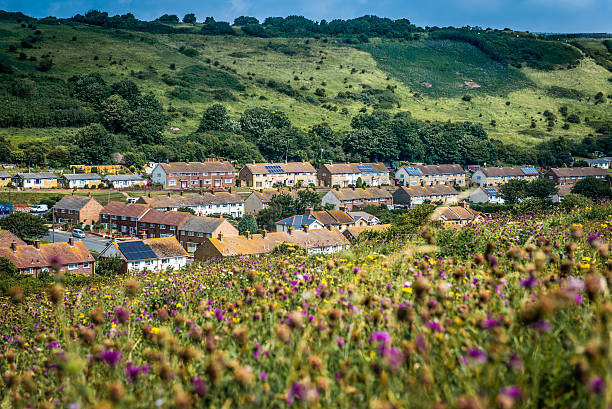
[[410, 64]]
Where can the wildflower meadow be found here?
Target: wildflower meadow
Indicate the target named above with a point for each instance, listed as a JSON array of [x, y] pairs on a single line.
[[514, 312]]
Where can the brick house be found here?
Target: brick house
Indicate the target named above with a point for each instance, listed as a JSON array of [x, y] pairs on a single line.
[[80, 181], [268, 175], [192, 175], [43, 180], [71, 257], [203, 204], [415, 195], [569, 176], [196, 230], [155, 223], [350, 198], [495, 176], [6, 238], [77, 210], [260, 199], [123, 217], [429, 175], [347, 174]]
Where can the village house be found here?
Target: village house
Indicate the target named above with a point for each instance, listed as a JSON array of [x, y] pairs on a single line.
[[203, 204], [324, 218], [316, 241], [260, 199], [99, 169], [155, 223], [347, 174], [353, 232], [457, 216], [43, 180], [268, 175], [569, 176], [489, 194], [194, 175], [603, 163], [196, 230], [6, 238], [77, 210], [495, 176], [562, 191], [351, 198], [415, 195], [123, 217], [123, 181], [72, 256], [429, 175], [5, 179], [158, 254], [80, 180], [364, 219]]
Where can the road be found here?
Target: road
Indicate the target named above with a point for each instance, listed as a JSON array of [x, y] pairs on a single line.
[[91, 242]]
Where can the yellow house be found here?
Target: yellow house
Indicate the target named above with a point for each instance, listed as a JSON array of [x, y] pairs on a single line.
[[43, 180], [5, 179], [100, 169]]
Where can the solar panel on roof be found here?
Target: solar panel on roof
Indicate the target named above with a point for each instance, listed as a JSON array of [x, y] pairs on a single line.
[[413, 171], [136, 250], [529, 171], [365, 168], [274, 169], [491, 191]]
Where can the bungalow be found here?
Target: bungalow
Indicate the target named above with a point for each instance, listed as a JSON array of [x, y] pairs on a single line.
[[72, 256], [429, 175], [415, 195], [5, 179], [43, 180], [364, 219], [81, 180], [6, 238], [123, 181], [336, 218], [348, 174], [495, 176], [77, 210], [158, 254], [457, 215], [353, 232], [569, 176], [487, 195], [315, 241], [562, 191], [260, 199], [196, 230], [350, 198], [267, 175], [603, 163]]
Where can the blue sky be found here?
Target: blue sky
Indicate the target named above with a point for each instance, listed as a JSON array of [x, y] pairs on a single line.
[[532, 15]]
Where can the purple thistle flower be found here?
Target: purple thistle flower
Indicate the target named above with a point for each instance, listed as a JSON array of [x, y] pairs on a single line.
[[597, 385], [474, 356], [298, 391], [578, 299], [111, 357], [122, 315], [529, 282], [515, 362], [434, 326], [340, 341], [541, 326], [199, 387], [381, 337], [513, 391], [263, 376]]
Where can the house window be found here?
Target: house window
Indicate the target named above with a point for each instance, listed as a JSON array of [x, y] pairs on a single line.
[[85, 265], [172, 228], [73, 266], [200, 234], [172, 183], [29, 270], [228, 180], [123, 218], [165, 261], [190, 234], [162, 226], [148, 262]]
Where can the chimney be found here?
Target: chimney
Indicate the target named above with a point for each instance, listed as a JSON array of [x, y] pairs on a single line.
[[220, 237], [329, 226], [290, 230], [37, 244], [464, 204], [14, 247], [70, 241], [247, 234], [306, 228], [264, 233]]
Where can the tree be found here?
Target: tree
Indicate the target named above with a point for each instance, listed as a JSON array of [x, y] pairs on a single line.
[[245, 20], [90, 88], [95, 144], [115, 110], [307, 199], [574, 201], [26, 226], [109, 266], [189, 18], [281, 206], [594, 189], [186, 210], [169, 19], [247, 222], [513, 190], [541, 188], [215, 118], [580, 163], [7, 269]]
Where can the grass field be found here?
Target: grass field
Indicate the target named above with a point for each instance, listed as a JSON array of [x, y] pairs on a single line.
[[508, 96]]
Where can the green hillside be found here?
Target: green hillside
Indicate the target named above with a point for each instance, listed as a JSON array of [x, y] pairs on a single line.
[[311, 80]]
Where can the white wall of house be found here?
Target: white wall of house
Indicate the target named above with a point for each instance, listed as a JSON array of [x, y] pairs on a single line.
[[479, 178], [160, 264], [330, 198], [327, 249], [313, 226], [159, 175]]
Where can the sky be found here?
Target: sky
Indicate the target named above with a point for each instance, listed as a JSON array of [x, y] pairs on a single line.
[[558, 16]]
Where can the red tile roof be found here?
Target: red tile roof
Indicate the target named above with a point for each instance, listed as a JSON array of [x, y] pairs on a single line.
[[124, 209], [26, 256]]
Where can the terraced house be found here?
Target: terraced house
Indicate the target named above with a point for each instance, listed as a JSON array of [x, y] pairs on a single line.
[[196, 230], [347, 174], [268, 175], [429, 175], [194, 175], [351, 198], [77, 210], [123, 217], [260, 199], [415, 195], [495, 176], [203, 204], [43, 180], [569, 176]]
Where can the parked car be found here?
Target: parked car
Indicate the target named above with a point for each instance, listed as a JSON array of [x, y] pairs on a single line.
[[78, 233], [41, 208]]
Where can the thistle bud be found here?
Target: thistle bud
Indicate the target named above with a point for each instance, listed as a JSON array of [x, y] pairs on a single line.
[[56, 294], [116, 392]]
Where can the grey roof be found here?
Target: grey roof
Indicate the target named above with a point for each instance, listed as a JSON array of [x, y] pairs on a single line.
[[5, 175], [72, 202], [298, 221], [116, 178], [362, 215], [201, 224], [43, 175], [81, 176]]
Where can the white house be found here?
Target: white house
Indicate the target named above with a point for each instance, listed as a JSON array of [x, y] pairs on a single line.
[[123, 181], [81, 180], [156, 254], [204, 204], [603, 163], [487, 195], [35, 180]]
